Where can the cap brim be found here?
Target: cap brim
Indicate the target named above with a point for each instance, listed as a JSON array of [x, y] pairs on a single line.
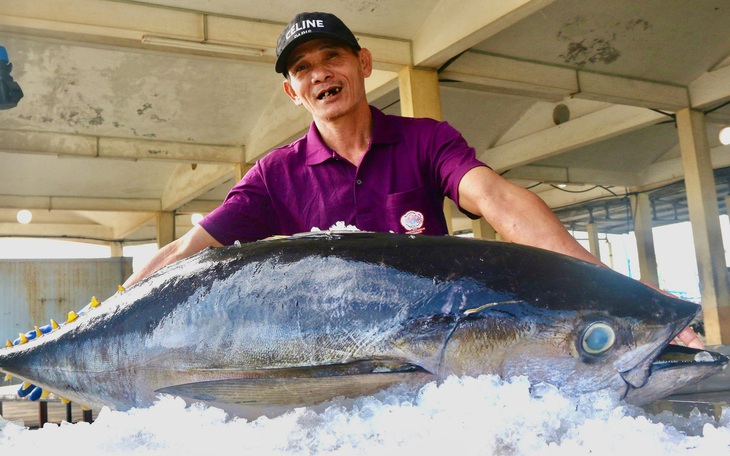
[[284, 56]]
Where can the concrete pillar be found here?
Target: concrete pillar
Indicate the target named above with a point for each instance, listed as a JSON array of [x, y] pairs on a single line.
[[449, 216], [165, 228], [593, 246], [116, 249], [483, 230], [241, 170], [419, 93], [705, 219], [420, 97], [645, 238]]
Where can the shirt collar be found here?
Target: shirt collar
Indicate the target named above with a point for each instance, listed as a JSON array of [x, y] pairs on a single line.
[[385, 131]]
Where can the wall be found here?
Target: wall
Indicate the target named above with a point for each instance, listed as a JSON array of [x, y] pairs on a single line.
[[34, 291]]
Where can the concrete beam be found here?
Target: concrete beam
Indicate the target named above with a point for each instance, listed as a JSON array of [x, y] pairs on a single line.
[[135, 149], [198, 206], [189, 181], [557, 199], [504, 75], [128, 23], [122, 224], [710, 89], [572, 175], [672, 170], [632, 92], [73, 145], [579, 132], [457, 25], [51, 230], [281, 122], [71, 203]]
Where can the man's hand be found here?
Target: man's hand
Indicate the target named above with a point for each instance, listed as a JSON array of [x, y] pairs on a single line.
[[192, 242], [690, 339]]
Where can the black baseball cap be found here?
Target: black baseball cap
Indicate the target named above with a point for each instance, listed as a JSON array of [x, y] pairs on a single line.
[[310, 26]]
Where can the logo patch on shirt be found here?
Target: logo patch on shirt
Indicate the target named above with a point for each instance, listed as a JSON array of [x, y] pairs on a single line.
[[412, 221]]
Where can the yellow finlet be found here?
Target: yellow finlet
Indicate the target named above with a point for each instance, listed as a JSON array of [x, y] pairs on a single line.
[[72, 316], [121, 289], [23, 339], [64, 400], [8, 344], [94, 302], [45, 394], [54, 325], [26, 385], [8, 377], [38, 332], [86, 409]]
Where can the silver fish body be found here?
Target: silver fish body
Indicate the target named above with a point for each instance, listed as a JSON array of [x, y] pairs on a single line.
[[268, 326]]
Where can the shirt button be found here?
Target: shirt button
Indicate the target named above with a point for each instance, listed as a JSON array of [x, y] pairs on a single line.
[[358, 182]]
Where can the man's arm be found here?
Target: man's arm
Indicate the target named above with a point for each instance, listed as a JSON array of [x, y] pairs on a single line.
[[192, 242], [517, 214], [520, 216]]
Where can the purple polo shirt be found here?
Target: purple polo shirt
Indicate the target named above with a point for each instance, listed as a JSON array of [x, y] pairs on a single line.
[[400, 185]]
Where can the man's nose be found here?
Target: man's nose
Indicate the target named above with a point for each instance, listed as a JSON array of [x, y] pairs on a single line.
[[320, 73]]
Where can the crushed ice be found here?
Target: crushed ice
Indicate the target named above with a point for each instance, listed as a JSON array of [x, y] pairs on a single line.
[[466, 416]]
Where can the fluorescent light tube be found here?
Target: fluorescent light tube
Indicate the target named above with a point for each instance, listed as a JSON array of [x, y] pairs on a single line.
[[201, 46]]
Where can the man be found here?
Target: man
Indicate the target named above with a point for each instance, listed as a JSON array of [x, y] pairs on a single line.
[[359, 166]]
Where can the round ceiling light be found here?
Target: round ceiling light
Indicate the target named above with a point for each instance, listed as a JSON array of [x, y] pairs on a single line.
[[725, 136], [24, 216]]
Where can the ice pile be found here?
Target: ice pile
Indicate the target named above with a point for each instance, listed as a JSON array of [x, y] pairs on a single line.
[[465, 416]]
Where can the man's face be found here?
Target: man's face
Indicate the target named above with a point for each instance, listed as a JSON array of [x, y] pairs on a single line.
[[327, 77]]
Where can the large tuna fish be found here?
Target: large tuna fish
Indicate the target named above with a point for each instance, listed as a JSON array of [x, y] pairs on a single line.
[[268, 326]]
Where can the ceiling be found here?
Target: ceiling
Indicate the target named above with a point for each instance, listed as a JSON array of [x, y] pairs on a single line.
[[115, 127]]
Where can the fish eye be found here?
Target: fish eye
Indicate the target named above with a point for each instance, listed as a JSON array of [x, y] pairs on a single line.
[[597, 338]]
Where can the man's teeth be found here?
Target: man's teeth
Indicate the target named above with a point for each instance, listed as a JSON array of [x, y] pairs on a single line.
[[329, 93]]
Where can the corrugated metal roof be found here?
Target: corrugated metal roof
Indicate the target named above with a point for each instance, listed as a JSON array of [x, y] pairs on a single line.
[[615, 216]]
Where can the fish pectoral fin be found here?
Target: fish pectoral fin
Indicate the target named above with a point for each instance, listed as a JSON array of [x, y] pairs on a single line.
[[314, 385]]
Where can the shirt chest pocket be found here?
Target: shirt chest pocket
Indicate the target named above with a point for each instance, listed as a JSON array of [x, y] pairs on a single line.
[[414, 212]]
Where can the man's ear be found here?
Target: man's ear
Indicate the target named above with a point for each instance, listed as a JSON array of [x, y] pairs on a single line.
[[366, 62], [292, 94]]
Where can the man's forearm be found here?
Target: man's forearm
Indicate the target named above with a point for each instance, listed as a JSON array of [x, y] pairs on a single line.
[[517, 214], [544, 229], [193, 242], [161, 258]]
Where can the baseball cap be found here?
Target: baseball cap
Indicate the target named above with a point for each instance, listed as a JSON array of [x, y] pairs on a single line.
[[310, 26]]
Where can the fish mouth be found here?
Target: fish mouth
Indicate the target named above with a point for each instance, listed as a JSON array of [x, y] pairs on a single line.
[[663, 368], [674, 368], [678, 356]]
